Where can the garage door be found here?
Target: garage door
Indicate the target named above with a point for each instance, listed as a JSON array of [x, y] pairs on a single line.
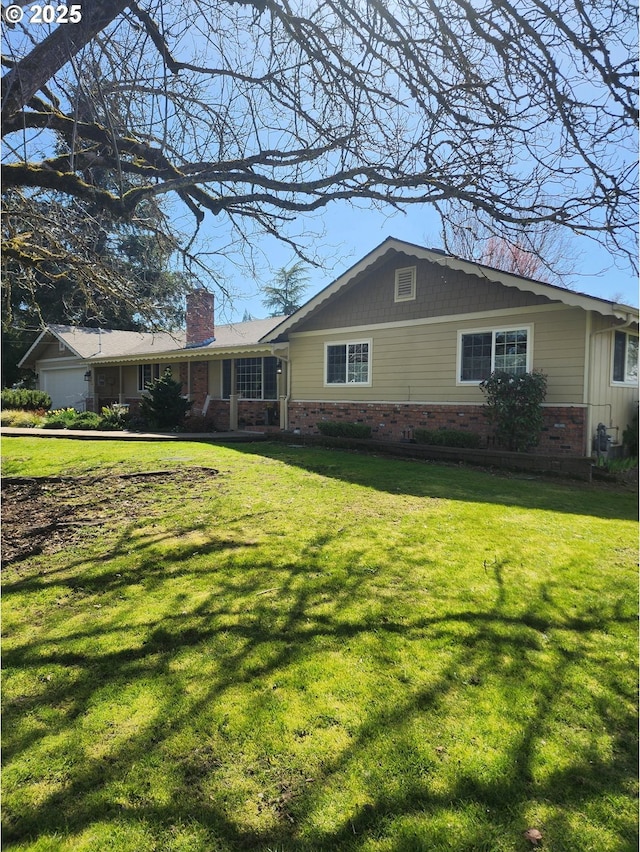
[[67, 388]]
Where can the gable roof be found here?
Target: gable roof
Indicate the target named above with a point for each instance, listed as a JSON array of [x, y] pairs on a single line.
[[392, 245], [99, 345], [88, 343]]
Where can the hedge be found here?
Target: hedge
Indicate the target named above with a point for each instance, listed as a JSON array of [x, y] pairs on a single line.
[[447, 438], [334, 429], [22, 399]]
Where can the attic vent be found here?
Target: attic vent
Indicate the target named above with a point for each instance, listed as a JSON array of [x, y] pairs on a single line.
[[405, 289]]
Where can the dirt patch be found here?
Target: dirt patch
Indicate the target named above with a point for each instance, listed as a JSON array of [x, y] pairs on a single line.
[[46, 514]]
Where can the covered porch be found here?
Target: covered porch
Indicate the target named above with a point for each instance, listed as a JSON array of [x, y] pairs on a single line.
[[231, 389]]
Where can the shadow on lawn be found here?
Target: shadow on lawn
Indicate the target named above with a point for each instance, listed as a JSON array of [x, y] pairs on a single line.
[[419, 478], [258, 642]]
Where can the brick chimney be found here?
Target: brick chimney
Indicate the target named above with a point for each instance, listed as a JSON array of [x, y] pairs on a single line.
[[200, 322]]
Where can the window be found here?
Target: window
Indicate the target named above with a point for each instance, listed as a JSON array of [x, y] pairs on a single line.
[[146, 374], [256, 378], [347, 363], [625, 358], [405, 289], [482, 352]]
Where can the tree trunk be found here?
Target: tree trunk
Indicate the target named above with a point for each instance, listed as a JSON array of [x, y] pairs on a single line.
[[33, 72]]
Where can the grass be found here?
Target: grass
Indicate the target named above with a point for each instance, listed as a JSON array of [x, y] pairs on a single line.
[[317, 650]]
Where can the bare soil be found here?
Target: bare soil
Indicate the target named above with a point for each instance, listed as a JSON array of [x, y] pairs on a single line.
[[46, 514]]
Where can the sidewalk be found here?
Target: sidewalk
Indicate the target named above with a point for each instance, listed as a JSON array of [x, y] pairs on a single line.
[[91, 435]]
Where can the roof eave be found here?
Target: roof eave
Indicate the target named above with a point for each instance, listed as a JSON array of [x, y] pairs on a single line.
[[183, 354]]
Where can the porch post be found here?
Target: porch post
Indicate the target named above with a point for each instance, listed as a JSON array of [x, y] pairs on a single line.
[[283, 396], [233, 399], [284, 413], [120, 388]]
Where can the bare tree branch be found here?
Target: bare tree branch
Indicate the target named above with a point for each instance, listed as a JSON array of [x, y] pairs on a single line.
[[259, 111]]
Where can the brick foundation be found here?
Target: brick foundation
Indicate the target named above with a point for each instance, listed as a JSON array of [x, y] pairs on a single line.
[[252, 414], [562, 434]]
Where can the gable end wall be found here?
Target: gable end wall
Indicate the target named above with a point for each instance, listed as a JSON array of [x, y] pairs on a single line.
[[439, 292]]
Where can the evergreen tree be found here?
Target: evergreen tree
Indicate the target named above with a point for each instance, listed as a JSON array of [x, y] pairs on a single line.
[[163, 406], [284, 295]]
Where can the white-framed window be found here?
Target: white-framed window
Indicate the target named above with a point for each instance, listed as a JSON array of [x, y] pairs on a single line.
[[146, 374], [347, 363], [256, 378], [482, 352], [625, 358], [405, 284]]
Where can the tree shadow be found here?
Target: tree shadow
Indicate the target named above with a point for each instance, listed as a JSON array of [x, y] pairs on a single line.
[[438, 480], [258, 624]]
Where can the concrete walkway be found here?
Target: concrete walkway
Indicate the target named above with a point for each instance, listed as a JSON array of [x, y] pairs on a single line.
[[91, 435]]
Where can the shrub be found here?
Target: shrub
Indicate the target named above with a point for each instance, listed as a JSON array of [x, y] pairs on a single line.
[[447, 438], [114, 417], [200, 423], [60, 418], [514, 407], [25, 400], [164, 406], [333, 429], [630, 437], [21, 419], [86, 420]]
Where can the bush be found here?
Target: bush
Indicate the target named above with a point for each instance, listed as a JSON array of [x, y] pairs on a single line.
[[60, 418], [69, 418], [164, 407], [114, 417], [200, 423], [630, 437], [86, 420], [25, 400], [334, 429], [514, 407], [447, 438], [21, 419]]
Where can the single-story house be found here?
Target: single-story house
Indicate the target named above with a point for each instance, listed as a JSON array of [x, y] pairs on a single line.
[[400, 340]]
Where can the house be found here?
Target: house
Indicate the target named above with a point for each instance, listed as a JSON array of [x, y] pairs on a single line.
[[401, 340]]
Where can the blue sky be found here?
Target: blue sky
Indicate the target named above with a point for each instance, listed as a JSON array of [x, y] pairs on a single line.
[[350, 232]]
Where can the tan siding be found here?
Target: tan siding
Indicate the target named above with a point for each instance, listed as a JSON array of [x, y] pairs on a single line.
[[130, 380], [611, 404], [130, 376], [419, 362]]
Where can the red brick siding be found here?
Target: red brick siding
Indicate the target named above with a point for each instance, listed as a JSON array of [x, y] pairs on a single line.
[[252, 414], [563, 431], [199, 383], [200, 322]]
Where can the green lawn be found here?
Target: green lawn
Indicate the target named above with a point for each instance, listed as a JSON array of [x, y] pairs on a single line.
[[317, 650]]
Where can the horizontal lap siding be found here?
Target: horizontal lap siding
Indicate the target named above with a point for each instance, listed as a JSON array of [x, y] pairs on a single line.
[[616, 403], [559, 352], [419, 362]]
